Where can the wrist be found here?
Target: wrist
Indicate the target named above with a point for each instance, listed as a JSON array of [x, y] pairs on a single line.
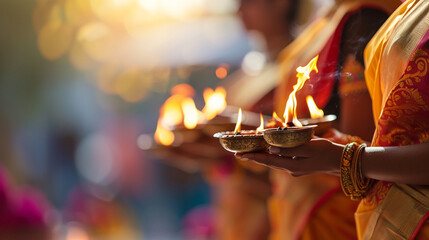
[[335, 158]]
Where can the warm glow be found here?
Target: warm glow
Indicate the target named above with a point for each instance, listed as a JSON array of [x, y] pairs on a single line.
[[190, 113], [215, 102], [163, 135], [76, 233], [178, 109], [171, 111], [238, 124], [275, 121], [261, 127], [253, 63], [93, 33], [183, 89], [315, 112], [221, 72], [276, 117], [303, 74]]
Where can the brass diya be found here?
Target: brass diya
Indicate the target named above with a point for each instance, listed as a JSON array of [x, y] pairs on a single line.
[[245, 141], [289, 137], [226, 121], [323, 123]]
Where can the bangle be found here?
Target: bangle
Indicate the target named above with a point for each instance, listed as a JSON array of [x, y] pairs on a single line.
[[361, 184], [345, 168], [353, 183]]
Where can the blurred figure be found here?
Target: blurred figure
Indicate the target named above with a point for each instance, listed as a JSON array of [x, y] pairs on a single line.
[[243, 193], [273, 19], [252, 86], [391, 180], [241, 190]]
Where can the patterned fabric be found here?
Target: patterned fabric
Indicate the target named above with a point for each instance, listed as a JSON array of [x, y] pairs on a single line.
[[405, 117], [303, 208], [398, 79]]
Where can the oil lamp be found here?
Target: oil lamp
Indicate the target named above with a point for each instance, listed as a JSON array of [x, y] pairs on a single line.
[[243, 140], [293, 133], [324, 123]]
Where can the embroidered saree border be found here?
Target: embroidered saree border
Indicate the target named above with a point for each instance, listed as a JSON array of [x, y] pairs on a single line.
[[399, 214]]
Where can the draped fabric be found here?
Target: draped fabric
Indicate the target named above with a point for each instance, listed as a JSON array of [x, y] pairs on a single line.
[[321, 37], [307, 207], [397, 76]]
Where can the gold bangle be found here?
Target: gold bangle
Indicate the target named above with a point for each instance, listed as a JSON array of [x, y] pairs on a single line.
[[361, 184], [345, 168], [356, 194]]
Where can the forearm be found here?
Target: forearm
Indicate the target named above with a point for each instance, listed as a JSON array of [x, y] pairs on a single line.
[[405, 164]]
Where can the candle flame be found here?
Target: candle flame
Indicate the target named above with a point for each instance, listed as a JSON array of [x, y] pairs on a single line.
[[303, 74], [215, 102], [171, 111], [238, 124], [315, 112], [276, 117], [163, 136], [275, 121], [261, 127], [190, 112]]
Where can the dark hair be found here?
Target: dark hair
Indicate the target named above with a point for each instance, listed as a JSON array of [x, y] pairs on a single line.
[[292, 15]]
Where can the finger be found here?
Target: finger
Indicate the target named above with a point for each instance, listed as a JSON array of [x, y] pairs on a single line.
[[299, 152], [240, 157], [271, 160], [303, 151]]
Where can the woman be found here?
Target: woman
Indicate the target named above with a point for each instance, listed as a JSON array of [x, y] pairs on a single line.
[[305, 208], [390, 176]]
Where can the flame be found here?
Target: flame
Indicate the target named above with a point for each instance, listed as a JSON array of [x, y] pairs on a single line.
[[276, 117], [190, 113], [163, 135], [261, 127], [171, 111], [238, 124], [215, 102], [303, 74], [315, 112]]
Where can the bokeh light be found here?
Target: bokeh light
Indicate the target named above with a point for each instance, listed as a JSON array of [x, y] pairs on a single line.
[[253, 63], [222, 71], [94, 34]]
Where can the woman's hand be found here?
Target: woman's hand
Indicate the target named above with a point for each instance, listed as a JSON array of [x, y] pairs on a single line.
[[318, 156], [336, 136]]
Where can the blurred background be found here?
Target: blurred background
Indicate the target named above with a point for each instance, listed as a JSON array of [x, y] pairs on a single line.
[[82, 82]]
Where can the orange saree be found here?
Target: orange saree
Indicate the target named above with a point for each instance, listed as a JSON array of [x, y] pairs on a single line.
[[397, 76]]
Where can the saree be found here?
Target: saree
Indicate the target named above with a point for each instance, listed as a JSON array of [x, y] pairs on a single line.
[[397, 76], [308, 207]]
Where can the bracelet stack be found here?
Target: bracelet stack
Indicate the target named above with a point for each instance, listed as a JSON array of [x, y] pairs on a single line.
[[353, 183]]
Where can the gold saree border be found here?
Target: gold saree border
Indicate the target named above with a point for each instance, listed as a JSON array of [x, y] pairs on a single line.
[[400, 213]]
